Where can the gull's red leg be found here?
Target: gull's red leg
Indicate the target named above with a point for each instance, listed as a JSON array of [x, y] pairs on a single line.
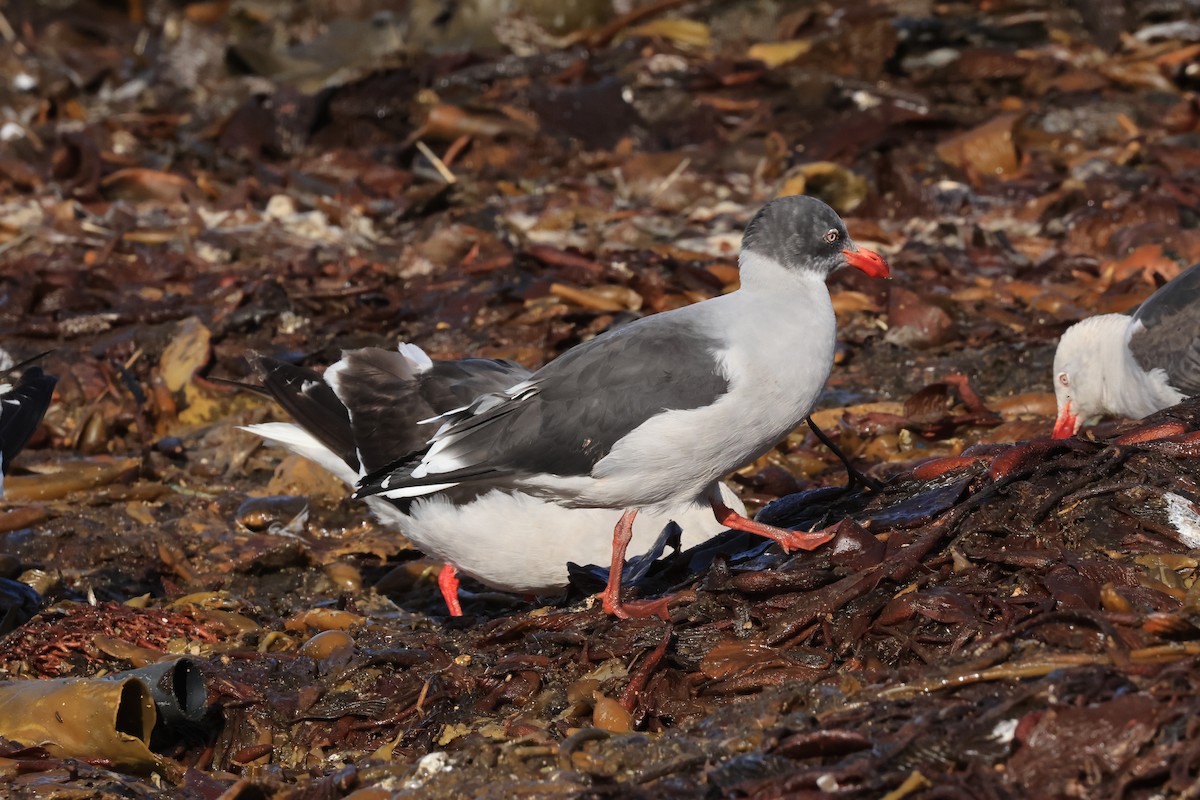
[[448, 583], [788, 540], [622, 535]]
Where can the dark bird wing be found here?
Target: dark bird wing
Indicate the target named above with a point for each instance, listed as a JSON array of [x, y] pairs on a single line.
[[1170, 334], [21, 410], [368, 404], [571, 413], [306, 397], [388, 394]]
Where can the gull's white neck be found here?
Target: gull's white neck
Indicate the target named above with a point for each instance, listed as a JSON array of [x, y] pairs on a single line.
[[777, 313], [783, 317], [761, 273], [780, 332]]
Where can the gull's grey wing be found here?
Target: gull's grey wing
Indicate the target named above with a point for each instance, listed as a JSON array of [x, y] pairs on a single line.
[[571, 413], [1169, 334]]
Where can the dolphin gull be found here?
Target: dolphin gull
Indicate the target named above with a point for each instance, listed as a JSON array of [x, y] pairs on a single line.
[[363, 414], [650, 416], [1131, 364]]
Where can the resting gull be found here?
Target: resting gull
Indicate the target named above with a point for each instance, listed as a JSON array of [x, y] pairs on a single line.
[[1131, 364]]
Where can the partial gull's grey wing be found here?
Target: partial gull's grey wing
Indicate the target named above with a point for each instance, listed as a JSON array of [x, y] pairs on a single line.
[[1170, 334], [387, 395], [571, 413], [21, 410], [448, 385]]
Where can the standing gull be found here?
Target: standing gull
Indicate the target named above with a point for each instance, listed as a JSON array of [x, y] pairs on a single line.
[[363, 413], [650, 416], [1131, 364]]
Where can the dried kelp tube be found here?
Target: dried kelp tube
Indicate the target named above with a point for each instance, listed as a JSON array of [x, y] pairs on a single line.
[[177, 688], [86, 718]]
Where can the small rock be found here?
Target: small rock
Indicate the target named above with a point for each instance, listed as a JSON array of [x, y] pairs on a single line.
[[914, 322]]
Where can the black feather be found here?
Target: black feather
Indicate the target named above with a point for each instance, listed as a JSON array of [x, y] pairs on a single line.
[[309, 400]]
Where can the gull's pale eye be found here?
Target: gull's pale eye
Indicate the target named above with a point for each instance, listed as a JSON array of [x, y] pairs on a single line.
[[832, 235], [1064, 379]]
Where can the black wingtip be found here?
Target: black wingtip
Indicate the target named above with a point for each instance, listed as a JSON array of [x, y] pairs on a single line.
[[311, 403], [240, 385], [30, 360], [371, 484]]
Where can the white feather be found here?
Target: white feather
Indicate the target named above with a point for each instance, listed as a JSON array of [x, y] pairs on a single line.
[[417, 357], [415, 491], [1183, 517], [302, 443]]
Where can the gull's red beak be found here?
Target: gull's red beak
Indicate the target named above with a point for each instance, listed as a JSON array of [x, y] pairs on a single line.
[[868, 261], [1066, 424]]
